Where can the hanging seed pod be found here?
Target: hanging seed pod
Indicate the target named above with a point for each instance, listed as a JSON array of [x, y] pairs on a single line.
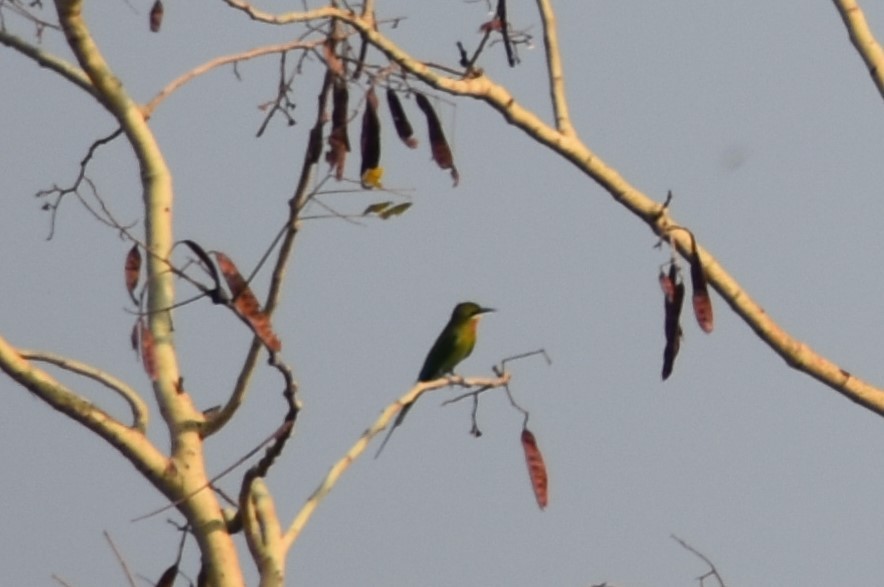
[[370, 143], [700, 297], [536, 468], [338, 140], [245, 304], [156, 16], [131, 271], [671, 326], [438, 144], [400, 120]]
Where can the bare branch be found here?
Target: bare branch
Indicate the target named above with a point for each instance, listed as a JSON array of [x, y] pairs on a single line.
[[712, 572], [554, 68], [45, 59], [140, 411], [863, 39], [130, 442], [120, 558], [361, 443], [208, 66]]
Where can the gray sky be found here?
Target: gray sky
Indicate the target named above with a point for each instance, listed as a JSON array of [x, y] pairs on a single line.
[[759, 116]]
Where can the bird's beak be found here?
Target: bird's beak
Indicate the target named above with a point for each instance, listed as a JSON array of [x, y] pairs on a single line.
[[485, 310]]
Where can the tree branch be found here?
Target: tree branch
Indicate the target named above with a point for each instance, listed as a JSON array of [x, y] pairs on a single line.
[[339, 468], [175, 84], [45, 59], [131, 442], [796, 354], [140, 412], [554, 68], [863, 39], [187, 469]]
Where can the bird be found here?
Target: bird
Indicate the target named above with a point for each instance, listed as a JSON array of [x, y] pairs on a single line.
[[453, 345]]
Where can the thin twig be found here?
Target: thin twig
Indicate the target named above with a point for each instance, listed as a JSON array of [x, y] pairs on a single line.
[[149, 108], [712, 572], [120, 558]]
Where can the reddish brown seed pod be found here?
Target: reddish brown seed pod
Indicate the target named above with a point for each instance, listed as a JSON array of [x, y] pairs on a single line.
[[700, 291], [245, 304], [536, 468], [438, 143], [132, 270]]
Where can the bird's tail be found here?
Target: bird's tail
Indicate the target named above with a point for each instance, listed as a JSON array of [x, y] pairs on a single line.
[[399, 418]]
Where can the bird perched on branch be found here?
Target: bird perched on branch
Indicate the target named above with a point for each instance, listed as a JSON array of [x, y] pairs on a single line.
[[454, 344]]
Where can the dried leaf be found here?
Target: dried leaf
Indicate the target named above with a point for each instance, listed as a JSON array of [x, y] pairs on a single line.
[[700, 297], [338, 140], [148, 358], [156, 16], [672, 327], [132, 271], [396, 210], [376, 207], [167, 579], [245, 304], [439, 145], [536, 468], [370, 142], [400, 120]]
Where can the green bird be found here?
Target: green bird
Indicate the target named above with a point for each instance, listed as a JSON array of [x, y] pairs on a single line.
[[454, 344]]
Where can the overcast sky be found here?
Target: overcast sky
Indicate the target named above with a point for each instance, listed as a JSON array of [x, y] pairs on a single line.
[[759, 116]]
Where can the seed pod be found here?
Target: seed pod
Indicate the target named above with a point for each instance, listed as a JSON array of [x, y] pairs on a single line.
[[132, 271], [400, 120], [438, 144], [370, 142], [156, 16], [536, 468], [671, 326], [245, 304], [338, 140], [700, 297]]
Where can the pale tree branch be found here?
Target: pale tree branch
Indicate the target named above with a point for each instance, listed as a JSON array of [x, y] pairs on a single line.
[[130, 442], [140, 411], [387, 415], [554, 68], [797, 354], [45, 59], [187, 469], [863, 39], [264, 534], [208, 66]]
